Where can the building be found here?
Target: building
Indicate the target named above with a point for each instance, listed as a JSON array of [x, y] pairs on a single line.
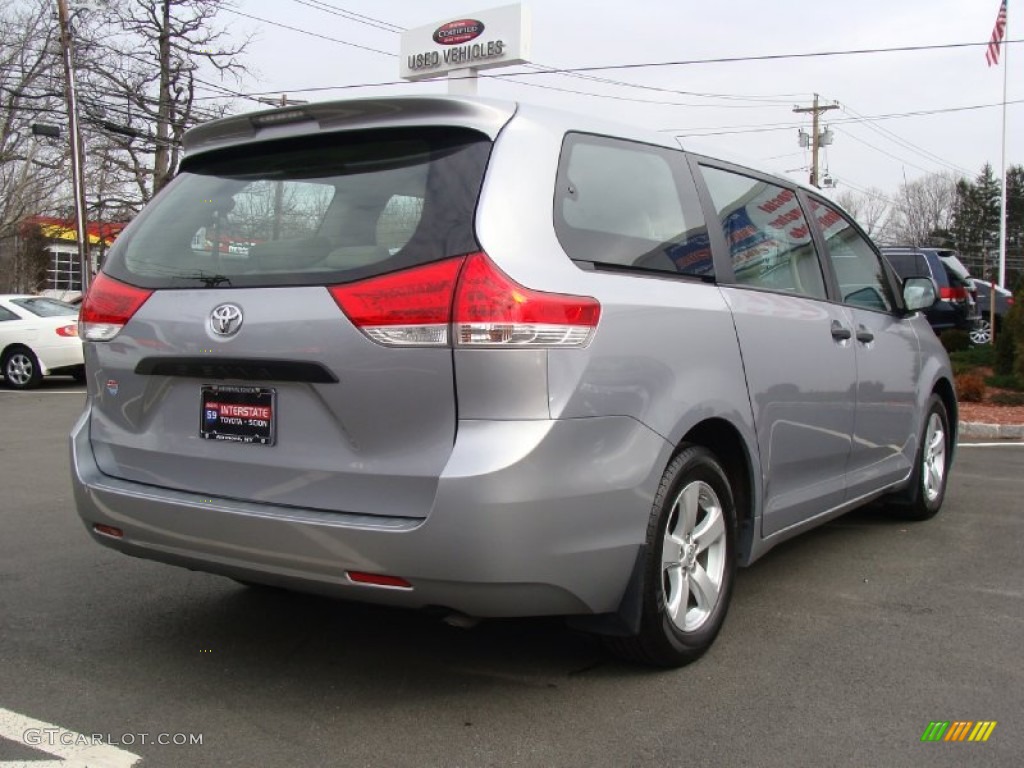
[[63, 273]]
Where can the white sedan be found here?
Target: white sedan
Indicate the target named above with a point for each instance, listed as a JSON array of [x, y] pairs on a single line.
[[38, 337]]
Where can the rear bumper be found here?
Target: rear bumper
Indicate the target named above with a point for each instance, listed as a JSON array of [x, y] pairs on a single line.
[[60, 358], [530, 518]]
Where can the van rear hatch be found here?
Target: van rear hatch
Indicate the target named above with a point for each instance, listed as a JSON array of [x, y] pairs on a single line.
[[230, 340]]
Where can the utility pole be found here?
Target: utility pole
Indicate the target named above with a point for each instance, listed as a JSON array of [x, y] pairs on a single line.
[[77, 177], [815, 110]]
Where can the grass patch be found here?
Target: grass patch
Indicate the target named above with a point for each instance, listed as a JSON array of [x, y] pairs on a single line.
[[1002, 381], [1008, 398], [974, 357]]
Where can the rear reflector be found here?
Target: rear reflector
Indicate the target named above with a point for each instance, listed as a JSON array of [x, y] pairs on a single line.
[[108, 530], [67, 331], [416, 307], [107, 307], [378, 580]]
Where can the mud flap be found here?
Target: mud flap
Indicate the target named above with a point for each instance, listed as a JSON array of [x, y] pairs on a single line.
[[624, 622]]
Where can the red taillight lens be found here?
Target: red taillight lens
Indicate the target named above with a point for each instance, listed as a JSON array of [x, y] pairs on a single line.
[[67, 330], [492, 309], [107, 307], [487, 308], [108, 530], [378, 580], [408, 308], [949, 293]]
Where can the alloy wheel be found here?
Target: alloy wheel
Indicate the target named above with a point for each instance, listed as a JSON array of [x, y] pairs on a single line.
[[934, 458], [982, 334], [693, 556], [19, 370]]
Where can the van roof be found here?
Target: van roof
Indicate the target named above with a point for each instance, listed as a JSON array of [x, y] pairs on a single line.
[[486, 115]]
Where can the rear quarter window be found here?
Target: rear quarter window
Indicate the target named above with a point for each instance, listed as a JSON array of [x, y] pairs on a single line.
[[623, 204]]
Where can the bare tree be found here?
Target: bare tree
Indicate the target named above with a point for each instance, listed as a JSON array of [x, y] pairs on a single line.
[[32, 168], [922, 211], [139, 88], [870, 208]]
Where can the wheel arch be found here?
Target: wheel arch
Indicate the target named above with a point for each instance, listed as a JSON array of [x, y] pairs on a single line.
[[944, 389], [726, 442], [13, 347]]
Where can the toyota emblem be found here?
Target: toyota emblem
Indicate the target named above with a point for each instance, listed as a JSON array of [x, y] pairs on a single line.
[[226, 319]]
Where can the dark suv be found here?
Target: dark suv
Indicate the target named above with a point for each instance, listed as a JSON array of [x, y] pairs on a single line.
[[957, 306]]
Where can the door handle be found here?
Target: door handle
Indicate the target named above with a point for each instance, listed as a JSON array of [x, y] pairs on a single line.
[[840, 332], [864, 335]]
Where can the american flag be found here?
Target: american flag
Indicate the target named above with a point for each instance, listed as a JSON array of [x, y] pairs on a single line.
[[998, 31]]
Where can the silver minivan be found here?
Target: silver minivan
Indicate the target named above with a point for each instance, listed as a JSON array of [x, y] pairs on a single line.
[[495, 360]]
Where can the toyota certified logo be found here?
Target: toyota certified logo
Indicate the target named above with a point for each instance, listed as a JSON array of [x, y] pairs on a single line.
[[226, 319], [458, 32]]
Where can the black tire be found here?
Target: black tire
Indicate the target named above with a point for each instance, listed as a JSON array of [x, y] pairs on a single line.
[[924, 496], [79, 375], [671, 632], [21, 368]]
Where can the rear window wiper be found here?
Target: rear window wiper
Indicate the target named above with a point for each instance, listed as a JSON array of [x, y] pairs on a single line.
[[208, 280]]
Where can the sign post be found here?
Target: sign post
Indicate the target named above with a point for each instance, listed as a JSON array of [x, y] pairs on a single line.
[[461, 47]]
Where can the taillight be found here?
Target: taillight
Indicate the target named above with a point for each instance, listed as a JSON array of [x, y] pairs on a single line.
[[1009, 300], [378, 580], [67, 331], [408, 308], [107, 307], [950, 293], [485, 307], [491, 309]]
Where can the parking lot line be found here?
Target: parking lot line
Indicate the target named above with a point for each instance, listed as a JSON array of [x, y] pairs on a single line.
[[80, 748], [42, 392], [1003, 444]]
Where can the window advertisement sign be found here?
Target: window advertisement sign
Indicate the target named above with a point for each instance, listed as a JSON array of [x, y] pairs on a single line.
[[767, 222], [479, 40]]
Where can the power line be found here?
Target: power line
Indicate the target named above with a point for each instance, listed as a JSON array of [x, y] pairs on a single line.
[[727, 130], [308, 32], [905, 143], [545, 69], [677, 63], [884, 152], [874, 194], [350, 15]]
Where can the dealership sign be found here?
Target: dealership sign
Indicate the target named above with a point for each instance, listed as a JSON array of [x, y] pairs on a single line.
[[480, 40]]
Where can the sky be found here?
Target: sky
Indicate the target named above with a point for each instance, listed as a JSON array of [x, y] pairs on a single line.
[[741, 109]]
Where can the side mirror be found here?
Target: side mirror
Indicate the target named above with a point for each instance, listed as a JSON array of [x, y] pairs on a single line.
[[919, 293]]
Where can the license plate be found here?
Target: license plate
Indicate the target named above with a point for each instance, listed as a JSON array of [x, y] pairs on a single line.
[[238, 414]]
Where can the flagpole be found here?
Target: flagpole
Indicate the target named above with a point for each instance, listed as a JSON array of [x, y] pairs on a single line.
[[1002, 173]]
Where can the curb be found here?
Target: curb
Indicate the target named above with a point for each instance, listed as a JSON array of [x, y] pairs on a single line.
[[972, 429]]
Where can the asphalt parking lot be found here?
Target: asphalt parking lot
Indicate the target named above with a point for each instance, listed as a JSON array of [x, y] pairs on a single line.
[[840, 648]]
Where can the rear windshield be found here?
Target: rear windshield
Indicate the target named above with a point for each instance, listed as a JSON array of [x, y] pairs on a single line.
[[43, 307], [958, 274], [908, 265], [329, 208]]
